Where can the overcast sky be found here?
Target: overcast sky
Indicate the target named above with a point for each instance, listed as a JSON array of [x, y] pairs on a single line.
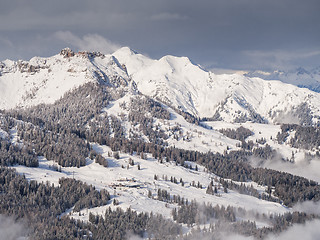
[[230, 34]]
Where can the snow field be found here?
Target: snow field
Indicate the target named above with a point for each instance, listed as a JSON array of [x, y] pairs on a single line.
[[137, 197]]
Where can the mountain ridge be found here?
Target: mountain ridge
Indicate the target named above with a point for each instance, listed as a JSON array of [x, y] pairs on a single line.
[[207, 95], [175, 81]]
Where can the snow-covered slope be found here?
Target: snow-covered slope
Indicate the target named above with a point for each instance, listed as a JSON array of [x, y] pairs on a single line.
[[44, 80], [181, 84], [117, 180]]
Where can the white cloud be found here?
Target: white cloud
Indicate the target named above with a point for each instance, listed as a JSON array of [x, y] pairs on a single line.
[[309, 207], [231, 236], [89, 42], [308, 231], [9, 229], [168, 16], [308, 168]]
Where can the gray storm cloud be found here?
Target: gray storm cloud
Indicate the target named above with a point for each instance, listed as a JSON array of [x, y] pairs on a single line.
[[235, 34]]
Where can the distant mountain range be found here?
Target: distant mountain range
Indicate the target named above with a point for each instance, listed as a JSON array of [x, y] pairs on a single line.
[[299, 77]]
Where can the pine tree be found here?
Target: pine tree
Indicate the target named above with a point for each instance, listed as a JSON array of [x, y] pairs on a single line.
[[209, 189]]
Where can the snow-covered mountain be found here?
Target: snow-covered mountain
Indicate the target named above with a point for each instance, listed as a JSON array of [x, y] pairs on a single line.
[[233, 98], [300, 77], [175, 81], [45, 80], [147, 154]]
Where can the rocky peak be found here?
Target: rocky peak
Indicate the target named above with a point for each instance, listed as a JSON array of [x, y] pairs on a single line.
[[67, 52], [91, 54]]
